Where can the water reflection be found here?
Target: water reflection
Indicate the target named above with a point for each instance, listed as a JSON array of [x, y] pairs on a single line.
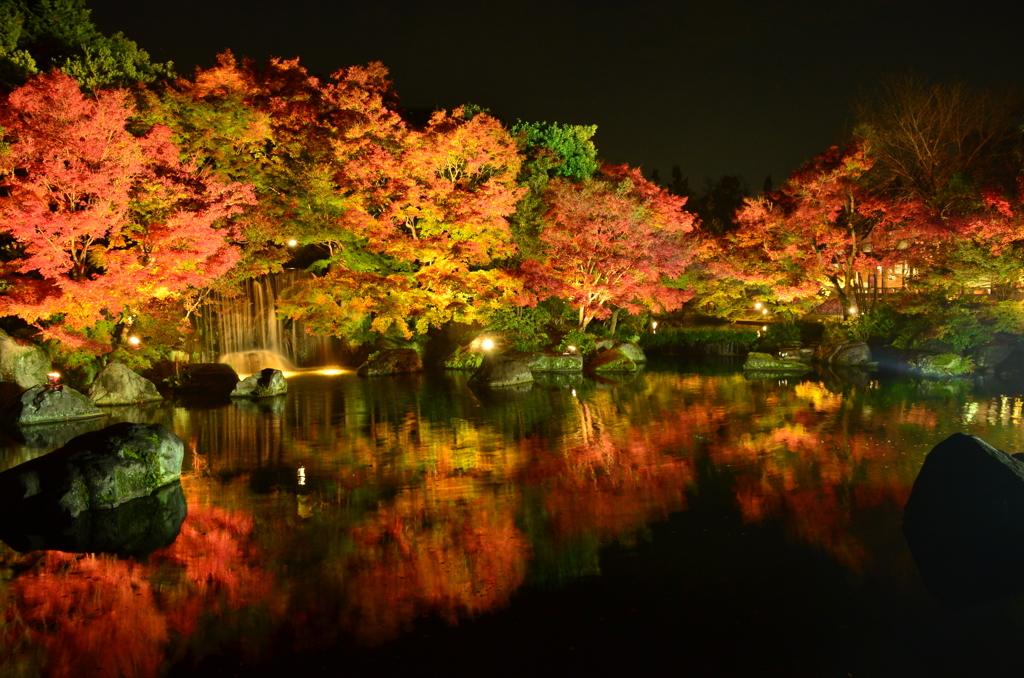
[[352, 508]]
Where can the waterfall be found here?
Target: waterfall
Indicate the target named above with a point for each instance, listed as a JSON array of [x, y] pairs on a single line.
[[245, 332]]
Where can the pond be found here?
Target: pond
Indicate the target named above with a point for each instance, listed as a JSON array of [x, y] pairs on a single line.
[[688, 517]]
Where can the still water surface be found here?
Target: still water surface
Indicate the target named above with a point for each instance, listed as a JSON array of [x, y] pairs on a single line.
[[688, 517]]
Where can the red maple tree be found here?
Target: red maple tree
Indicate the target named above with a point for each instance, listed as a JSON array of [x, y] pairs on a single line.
[[611, 240], [97, 220]]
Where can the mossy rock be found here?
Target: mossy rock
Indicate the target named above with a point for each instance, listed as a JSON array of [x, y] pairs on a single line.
[[45, 404], [554, 362], [97, 470], [941, 365], [266, 383], [764, 362]]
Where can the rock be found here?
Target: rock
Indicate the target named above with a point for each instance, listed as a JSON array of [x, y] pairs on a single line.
[[25, 366], [215, 379], [263, 384], [621, 357], [391, 361], [964, 521], [554, 362], [497, 371], [764, 362], [847, 353], [117, 384], [97, 470], [135, 528], [989, 356], [800, 355], [633, 352], [464, 358], [43, 404], [938, 366]]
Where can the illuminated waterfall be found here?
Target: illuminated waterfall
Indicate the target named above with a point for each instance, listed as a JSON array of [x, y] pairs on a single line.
[[245, 332]]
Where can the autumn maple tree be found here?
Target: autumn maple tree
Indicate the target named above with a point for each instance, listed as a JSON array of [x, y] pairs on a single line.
[[820, 230], [611, 240], [427, 213], [96, 220]]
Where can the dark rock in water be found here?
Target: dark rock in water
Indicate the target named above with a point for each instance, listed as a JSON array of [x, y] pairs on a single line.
[[964, 522], [136, 528], [215, 379], [988, 357], [499, 371], [117, 384], [391, 361], [44, 404], [97, 470], [263, 384], [846, 353], [767, 363]]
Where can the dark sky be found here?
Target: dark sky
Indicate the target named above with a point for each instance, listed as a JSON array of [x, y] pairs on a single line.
[[754, 88]]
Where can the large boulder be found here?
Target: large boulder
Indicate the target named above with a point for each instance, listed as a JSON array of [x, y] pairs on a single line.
[[548, 361], [214, 379], [135, 528], [45, 404], [941, 365], [767, 363], [25, 366], [117, 384], [988, 357], [391, 361], [97, 470], [620, 357], [263, 384], [847, 353], [498, 371], [964, 521]]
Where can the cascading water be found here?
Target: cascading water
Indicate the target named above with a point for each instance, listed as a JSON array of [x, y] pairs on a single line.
[[245, 332]]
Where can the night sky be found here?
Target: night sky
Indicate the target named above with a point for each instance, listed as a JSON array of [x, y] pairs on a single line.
[[754, 88]]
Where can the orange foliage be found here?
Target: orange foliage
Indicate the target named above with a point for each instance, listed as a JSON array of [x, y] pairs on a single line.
[[77, 608], [451, 554]]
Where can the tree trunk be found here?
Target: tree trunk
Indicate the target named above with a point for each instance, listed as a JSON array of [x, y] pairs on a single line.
[[615, 321]]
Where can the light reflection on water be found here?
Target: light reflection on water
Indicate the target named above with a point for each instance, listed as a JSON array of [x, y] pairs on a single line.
[[349, 510]]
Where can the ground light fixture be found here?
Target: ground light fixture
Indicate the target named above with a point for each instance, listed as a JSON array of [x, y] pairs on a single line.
[[134, 341], [293, 242], [487, 344], [53, 379]]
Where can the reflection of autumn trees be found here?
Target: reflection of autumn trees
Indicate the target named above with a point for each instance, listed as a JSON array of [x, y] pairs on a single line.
[[97, 614], [72, 610], [816, 457], [443, 505], [450, 549]]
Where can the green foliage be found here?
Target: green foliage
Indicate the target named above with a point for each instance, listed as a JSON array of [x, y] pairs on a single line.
[[585, 342], [39, 35], [743, 337], [576, 153], [779, 335], [523, 328]]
